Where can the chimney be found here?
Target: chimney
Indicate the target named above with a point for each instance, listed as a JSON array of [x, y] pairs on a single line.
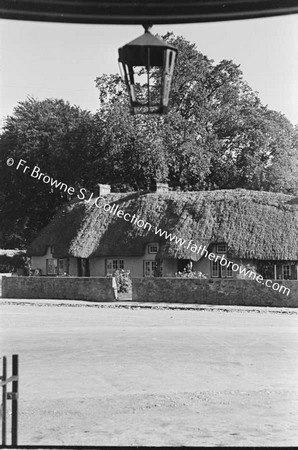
[[104, 189], [162, 188]]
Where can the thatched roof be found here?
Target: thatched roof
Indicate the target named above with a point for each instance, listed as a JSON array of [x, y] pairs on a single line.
[[254, 225]]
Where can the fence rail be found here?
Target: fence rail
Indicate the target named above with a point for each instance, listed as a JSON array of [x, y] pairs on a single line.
[[13, 396]]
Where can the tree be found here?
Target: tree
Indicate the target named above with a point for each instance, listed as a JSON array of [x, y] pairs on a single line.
[[56, 137], [281, 171], [217, 133]]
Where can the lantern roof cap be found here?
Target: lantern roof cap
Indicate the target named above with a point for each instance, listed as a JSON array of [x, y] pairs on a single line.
[[149, 40]]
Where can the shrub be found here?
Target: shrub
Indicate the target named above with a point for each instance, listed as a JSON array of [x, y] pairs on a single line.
[[190, 274], [123, 280]]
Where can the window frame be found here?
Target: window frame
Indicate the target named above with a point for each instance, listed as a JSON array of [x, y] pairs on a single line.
[[229, 272], [115, 264], [222, 271], [153, 245], [154, 265], [288, 266], [222, 252], [213, 265], [226, 272], [55, 265]]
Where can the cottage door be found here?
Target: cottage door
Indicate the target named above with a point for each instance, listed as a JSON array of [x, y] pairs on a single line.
[[184, 264]]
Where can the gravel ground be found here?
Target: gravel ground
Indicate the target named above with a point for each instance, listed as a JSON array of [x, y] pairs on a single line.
[[133, 374]]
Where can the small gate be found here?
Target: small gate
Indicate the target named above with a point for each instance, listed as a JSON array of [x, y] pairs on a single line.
[[13, 396]]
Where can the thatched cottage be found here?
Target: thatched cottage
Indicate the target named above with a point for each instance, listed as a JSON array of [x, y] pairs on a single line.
[[96, 236]]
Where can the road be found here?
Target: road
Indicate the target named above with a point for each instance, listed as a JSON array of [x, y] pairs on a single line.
[[115, 376]]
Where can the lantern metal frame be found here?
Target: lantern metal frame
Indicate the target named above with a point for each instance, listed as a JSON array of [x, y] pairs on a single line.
[[149, 52]]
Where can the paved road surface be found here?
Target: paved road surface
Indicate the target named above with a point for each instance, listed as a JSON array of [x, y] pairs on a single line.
[[106, 376]]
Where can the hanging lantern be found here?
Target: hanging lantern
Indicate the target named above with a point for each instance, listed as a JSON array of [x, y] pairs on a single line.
[[147, 65]]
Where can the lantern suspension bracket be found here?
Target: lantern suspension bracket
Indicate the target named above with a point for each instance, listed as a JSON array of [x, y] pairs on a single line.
[[151, 56], [147, 27]]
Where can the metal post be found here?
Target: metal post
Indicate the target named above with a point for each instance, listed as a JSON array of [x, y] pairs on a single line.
[[4, 399], [14, 402]]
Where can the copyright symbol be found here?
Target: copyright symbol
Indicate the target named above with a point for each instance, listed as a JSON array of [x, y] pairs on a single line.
[[10, 162]]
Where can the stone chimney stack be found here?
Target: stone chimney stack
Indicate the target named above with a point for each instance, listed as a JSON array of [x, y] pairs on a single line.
[[104, 189], [162, 188]]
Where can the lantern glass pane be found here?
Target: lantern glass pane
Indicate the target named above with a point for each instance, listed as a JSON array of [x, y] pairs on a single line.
[[145, 90], [147, 70], [169, 64]]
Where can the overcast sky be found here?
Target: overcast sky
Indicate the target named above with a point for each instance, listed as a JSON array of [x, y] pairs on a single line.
[[62, 60]]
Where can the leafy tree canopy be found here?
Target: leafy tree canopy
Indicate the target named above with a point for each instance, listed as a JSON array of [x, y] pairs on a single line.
[[59, 139], [217, 133]]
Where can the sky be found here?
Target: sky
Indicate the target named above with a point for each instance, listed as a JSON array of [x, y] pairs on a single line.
[[62, 60]]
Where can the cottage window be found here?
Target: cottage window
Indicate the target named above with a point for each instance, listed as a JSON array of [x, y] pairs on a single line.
[[229, 271], [226, 272], [286, 271], [150, 268], [215, 268], [52, 266], [114, 264], [221, 248], [218, 271], [153, 248], [61, 265]]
